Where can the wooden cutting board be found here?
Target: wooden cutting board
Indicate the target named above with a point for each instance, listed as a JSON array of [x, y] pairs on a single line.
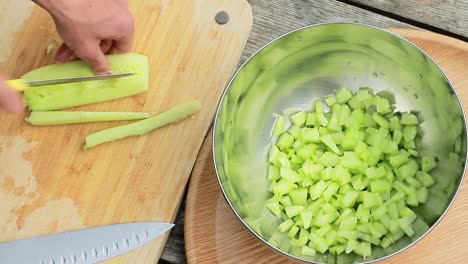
[[213, 234], [48, 183]]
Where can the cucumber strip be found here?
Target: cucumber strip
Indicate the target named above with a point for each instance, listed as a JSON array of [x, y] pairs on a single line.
[[49, 118], [138, 128]]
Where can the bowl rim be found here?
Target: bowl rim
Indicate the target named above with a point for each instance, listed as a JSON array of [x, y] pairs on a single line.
[[228, 85]]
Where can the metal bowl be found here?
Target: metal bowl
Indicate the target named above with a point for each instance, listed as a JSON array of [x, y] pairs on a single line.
[[312, 62]]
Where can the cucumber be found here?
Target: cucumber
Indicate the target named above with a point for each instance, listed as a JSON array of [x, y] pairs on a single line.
[[172, 115], [60, 96], [48, 118]]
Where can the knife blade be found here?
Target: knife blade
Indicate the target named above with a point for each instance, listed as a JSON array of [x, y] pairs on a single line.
[[83, 246], [21, 85]]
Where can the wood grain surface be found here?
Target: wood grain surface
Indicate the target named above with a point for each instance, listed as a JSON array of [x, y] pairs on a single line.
[[49, 184], [213, 234], [449, 15]]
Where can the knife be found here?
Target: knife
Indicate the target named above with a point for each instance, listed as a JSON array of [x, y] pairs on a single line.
[[83, 246], [21, 85]]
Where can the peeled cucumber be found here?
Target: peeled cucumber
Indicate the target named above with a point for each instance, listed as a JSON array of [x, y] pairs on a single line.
[[60, 96], [172, 115], [47, 118]]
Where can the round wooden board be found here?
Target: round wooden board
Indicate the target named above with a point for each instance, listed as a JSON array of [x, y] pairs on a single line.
[[213, 234]]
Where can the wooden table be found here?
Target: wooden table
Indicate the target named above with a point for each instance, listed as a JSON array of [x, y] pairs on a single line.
[[273, 18]]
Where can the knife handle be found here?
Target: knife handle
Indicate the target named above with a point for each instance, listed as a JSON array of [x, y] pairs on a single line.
[[17, 85]]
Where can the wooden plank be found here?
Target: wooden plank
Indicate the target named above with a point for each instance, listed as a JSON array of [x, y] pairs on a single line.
[[449, 15], [49, 184], [273, 18]]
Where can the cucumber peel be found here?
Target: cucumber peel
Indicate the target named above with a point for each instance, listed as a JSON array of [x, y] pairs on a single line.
[[172, 115]]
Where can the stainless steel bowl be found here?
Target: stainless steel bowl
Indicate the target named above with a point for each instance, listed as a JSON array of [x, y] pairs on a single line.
[[313, 62]]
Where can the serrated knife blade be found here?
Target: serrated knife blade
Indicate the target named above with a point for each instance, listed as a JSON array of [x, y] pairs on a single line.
[[84, 246]]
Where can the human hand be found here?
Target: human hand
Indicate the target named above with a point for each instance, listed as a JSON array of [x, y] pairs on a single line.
[[91, 29], [9, 100]]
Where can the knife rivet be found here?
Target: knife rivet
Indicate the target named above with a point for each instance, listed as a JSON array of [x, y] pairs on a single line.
[[222, 17]]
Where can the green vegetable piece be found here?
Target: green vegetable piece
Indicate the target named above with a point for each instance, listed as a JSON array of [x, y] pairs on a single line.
[[356, 119], [285, 200], [310, 135], [341, 175], [273, 173], [359, 182], [369, 199], [345, 113], [279, 127], [350, 235], [343, 95], [363, 249], [311, 119], [386, 242], [395, 123], [306, 151], [285, 141], [351, 245], [348, 223], [409, 133], [293, 210], [363, 213], [425, 178], [312, 170], [319, 107], [322, 120], [60, 96], [331, 190], [331, 236], [306, 217], [428, 163], [286, 225], [328, 159], [293, 231], [290, 175], [407, 228], [328, 141], [138, 128], [298, 119], [275, 208], [409, 119], [330, 100], [408, 170], [299, 196], [337, 250], [295, 131], [382, 105], [380, 120], [399, 159], [317, 189], [48, 118], [379, 212], [319, 243], [380, 186], [375, 172], [307, 251], [283, 187], [397, 136], [350, 198]]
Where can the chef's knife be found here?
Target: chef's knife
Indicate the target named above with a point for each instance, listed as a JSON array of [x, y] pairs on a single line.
[[84, 246], [21, 85]]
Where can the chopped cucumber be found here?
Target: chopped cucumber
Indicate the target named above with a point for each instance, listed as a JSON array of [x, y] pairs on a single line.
[[344, 180]]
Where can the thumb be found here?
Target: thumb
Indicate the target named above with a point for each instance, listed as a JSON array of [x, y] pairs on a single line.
[[9, 99], [93, 55]]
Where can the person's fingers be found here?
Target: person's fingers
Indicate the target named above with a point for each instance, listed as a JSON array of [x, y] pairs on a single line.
[[106, 45], [93, 55], [10, 100], [124, 42], [64, 53]]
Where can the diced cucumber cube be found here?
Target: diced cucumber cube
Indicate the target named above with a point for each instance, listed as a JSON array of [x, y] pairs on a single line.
[[299, 196], [293, 210], [350, 198], [275, 208], [279, 127], [285, 141], [409, 119], [286, 225], [363, 249], [317, 189], [425, 178], [330, 100], [310, 135], [428, 163], [298, 119], [293, 231], [343, 95], [306, 217], [409, 133], [311, 119], [318, 242], [328, 141], [307, 251]]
